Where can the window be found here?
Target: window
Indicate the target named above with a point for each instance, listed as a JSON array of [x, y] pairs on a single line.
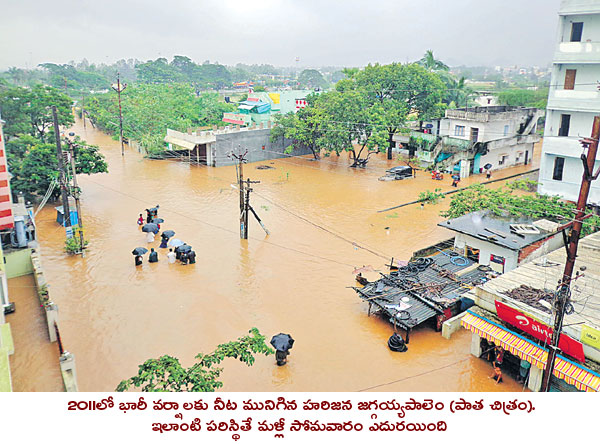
[[474, 134], [503, 159], [576, 31], [506, 130], [459, 130], [570, 78], [565, 122], [559, 164]]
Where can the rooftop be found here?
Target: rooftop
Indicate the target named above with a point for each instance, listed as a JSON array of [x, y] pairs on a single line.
[[489, 113], [497, 229], [570, 7], [422, 289], [543, 274]]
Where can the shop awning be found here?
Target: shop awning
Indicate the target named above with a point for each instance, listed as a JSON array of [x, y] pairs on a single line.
[[518, 346], [565, 369], [179, 142]]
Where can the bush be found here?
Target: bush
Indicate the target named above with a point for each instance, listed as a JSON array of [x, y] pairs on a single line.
[[73, 245]]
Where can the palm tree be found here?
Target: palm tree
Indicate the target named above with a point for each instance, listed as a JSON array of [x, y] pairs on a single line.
[[429, 62]]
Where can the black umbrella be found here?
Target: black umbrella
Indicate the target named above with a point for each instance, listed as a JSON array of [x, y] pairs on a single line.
[[183, 248], [150, 228], [282, 342], [157, 220], [139, 251], [487, 166], [168, 234]]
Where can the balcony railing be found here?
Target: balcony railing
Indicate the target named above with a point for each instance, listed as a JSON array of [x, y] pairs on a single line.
[[577, 52]]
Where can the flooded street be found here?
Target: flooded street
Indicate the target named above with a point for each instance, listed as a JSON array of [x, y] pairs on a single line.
[[113, 315]]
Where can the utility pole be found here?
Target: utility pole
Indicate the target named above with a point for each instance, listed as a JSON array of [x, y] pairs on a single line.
[[562, 296], [248, 207], [63, 185], [76, 192], [119, 89], [241, 158]]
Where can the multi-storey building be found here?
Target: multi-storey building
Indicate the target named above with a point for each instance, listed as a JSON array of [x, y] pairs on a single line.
[[573, 100]]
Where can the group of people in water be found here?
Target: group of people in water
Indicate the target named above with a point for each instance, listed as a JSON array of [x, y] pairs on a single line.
[[182, 253]]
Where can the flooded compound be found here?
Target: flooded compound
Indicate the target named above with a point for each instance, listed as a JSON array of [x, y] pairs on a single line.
[[323, 221]]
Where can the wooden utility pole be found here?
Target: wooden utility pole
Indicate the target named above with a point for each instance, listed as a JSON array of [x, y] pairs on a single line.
[[563, 292], [119, 89], [62, 179], [76, 192]]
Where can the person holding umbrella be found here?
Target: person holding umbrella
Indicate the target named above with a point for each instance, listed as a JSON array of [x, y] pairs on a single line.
[[137, 252], [282, 343], [151, 229], [191, 256]]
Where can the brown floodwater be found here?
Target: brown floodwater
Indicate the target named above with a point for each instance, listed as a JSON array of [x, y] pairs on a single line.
[[113, 315]]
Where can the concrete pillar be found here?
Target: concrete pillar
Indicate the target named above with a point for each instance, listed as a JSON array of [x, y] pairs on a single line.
[[69, 373], [475, 345], [269, 124], [534, 382], [464, 168], [262, 125], [198, 132], [51, 318], [451, 325], [189, 131]]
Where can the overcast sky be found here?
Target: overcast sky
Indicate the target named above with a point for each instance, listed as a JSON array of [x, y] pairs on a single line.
[[319, 32]]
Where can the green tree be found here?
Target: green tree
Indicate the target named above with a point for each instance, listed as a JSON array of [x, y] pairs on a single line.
[[22, 108], [429, 62], [524, 97], [401, 90], [311, 78], [166, 374], [34, 164]]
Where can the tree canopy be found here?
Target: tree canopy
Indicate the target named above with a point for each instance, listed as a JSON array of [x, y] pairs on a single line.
[[166, 374], [365, 110], [149, 109], [34, 165], [311, 78], [29, 110]]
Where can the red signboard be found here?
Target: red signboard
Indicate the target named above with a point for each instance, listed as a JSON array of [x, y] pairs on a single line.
[[538, 330]]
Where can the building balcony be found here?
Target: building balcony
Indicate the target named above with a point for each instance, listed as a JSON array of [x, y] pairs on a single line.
[[577, 52], [574, 100], [561, 146], [572, 7]]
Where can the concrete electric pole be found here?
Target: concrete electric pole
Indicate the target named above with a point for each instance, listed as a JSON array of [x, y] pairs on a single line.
[[562, 297], [62, 176], [120, 87]]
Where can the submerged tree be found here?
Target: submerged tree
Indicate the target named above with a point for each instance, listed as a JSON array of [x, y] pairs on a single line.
[[166, 374]]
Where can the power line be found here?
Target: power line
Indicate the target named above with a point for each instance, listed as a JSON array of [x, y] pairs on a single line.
[[414, 376], [225, 229]]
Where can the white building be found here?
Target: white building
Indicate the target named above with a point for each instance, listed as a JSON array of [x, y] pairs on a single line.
[[501, 136], [502, 243], [573, 100]]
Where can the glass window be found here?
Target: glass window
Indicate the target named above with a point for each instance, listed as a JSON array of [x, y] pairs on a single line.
[[576, 31], [459, 130], [559, 164]]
